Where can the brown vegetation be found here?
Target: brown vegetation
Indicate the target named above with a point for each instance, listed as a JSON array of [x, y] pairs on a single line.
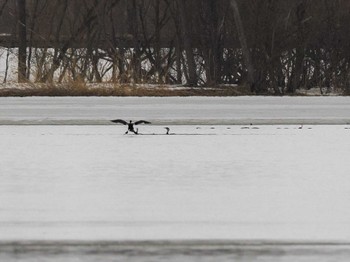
[[83, 89]]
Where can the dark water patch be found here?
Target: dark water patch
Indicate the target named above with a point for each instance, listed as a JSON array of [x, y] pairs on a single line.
[[173, 251]]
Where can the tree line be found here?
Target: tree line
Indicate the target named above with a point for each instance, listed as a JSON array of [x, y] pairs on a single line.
[[272, 46]]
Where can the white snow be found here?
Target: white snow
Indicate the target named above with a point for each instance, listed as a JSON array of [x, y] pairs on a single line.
[[207, 182], [224, 180]]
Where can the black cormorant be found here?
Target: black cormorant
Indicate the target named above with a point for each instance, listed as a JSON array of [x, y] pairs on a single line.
[[130, 124]]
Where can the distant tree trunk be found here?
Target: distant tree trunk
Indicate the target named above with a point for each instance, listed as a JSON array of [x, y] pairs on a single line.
[[212, 42], [297, 72], [191, 65], [32, 25], [177, 43], [244, 45], [22, 39], [2, 7], [133, 13], [7, 65], [178, 63]]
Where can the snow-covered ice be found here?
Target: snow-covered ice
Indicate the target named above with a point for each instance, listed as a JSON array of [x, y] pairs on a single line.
[[215, 182], [216, 178]]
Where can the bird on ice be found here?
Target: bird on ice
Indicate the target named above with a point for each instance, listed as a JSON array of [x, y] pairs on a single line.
[[130, 124]]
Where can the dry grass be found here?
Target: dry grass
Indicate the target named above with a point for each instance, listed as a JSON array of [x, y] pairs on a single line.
[[83, 89]]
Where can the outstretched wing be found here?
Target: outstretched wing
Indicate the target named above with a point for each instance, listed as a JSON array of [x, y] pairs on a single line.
[[142, 122], [119, 121]]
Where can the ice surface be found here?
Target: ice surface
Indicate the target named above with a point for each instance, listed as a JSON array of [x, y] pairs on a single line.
[[204, 182], [217, 189], [176, 110]]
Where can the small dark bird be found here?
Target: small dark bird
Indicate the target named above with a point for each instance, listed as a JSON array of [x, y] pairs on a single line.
[[167, 130], [130, 124]]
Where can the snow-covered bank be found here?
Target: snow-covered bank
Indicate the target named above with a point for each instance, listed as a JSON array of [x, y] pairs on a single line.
[[176, 110]]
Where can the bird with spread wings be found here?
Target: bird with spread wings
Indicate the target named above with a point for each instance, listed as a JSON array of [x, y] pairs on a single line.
[[130, 124]]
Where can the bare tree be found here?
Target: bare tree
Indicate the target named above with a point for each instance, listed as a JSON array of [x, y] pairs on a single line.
[[22, 38], [188, 45], [244, 45]]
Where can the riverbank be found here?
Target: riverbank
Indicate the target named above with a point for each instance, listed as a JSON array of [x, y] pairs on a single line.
[[112, 89]]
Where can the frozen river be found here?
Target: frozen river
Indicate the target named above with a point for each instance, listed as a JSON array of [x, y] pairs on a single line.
[[176, 110], [206, 192]]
